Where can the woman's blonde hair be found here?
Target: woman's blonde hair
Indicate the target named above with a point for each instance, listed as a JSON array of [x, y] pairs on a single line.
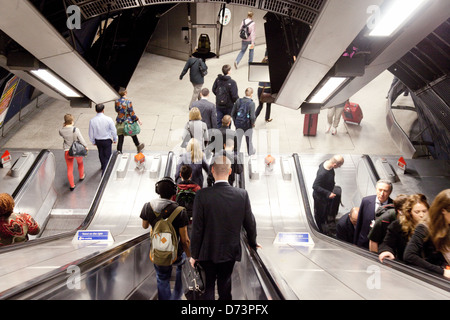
[[194, 114], [406, 218], [68, 119], [438, 228], [195, 149]]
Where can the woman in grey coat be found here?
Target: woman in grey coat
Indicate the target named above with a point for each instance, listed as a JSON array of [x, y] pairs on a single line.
[[69, 136]]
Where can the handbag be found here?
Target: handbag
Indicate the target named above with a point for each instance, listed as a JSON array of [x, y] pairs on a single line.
[[194, 279], [131, 129], [77, 149], [266, 97], [119, 128]]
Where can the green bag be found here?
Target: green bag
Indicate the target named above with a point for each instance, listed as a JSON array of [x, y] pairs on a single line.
[[131, 129], [119, 128]]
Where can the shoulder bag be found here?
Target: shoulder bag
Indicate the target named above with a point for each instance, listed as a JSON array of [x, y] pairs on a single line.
[[77, 149]]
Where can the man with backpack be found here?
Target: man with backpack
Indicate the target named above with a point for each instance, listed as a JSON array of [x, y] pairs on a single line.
[[226, 92], [169, 237], [248, 35], [186, 190], [197, 72], [244, 118]]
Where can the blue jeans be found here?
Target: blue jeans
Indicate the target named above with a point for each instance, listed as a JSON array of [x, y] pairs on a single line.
[[163, 274], [245, 44]]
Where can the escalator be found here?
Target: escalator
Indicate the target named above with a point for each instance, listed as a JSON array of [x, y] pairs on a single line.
[[123, 270], [435, 280]]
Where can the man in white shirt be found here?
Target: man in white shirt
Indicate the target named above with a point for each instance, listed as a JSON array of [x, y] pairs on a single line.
[[102, 133]]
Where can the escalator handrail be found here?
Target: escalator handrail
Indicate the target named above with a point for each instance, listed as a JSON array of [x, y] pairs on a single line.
[[54, 279], [438, 281], [92, 211], [373, 173]]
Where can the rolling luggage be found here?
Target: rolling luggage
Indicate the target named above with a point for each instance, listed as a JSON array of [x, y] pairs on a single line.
[[352, 113], [310, 124]]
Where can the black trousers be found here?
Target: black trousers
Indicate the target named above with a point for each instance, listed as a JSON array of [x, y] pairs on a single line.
[[104, 152], [220, 272], [120, 141]]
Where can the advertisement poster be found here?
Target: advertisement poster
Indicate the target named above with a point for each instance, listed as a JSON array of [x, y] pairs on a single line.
[[6, 98]]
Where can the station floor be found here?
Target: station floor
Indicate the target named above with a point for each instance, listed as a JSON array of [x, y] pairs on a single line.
[[161, 100]]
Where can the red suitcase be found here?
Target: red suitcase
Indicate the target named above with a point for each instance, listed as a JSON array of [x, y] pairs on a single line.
[[352, 113], [310, 124]]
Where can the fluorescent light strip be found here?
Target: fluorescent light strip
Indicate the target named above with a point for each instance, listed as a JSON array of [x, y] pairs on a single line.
[[395, 16], [329, 87], [55, 83]]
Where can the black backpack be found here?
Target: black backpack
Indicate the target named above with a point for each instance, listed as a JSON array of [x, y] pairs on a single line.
[[244, 33], [243, 114], [223, 96], [185, 198]]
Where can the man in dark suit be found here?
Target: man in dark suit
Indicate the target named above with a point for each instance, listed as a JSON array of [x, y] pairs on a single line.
[[219, 214], [367, 208], [345, 227], [207, 109]]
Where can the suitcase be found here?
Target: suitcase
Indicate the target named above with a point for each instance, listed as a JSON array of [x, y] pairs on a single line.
[[310, 124], [352, 113]]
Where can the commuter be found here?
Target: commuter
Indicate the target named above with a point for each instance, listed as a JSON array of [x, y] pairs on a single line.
[[196, 128], [326, 194], [125, 113], [71, 134], [236, 164], [14, 227], [369, 205], [196, 76], [345, 227], [219, 214], [248, 40], [102, 133], [195, 158], [429, 246], [244, 118], [414, 210], [166, 188], [264, 87], [334, 117], [186, 190], [227, 132], [207, 109], [226, 92], [383, 217]]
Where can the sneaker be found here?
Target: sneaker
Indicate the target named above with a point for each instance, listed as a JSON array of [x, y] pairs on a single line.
[[72, 188], [235, 64], [140, 147], [333, 131], [82, 178], [269, 120]]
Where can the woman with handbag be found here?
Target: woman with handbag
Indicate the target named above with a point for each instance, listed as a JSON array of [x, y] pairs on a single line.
[[127, 123], [264, 96], [71, 134]]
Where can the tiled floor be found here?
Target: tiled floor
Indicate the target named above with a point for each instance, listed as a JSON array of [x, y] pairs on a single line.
[[161, 101]]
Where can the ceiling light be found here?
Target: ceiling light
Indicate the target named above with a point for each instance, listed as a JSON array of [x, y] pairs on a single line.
[[398, 13], [55, 83], [330, 86]]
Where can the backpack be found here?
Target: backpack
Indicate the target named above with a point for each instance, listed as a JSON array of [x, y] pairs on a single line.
[[243, 115], [244, 33], [204, 44], [164, 240], [222, 97], [203, 72], [185, 198]]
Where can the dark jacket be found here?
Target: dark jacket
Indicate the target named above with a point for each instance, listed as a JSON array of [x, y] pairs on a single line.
[[219, 214], [232, 88], [365, 217], [207, 111], [395, 240], [345, 229], [421, 252], [195, 76], [235, 110]]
